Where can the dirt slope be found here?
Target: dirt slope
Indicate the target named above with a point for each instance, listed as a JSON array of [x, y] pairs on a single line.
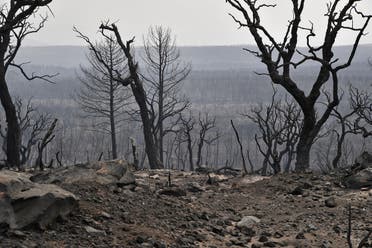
[[294, 211]]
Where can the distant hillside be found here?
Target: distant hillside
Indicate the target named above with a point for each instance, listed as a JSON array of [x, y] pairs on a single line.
[[202, 58]]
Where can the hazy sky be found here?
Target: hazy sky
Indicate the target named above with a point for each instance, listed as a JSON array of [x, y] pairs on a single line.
[[194, 22]]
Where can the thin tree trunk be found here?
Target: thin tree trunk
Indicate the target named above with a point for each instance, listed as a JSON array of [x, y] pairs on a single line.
[[189, 148], [199, 155], [289, 161], [112, 122], [265, 164], [161, 114], [140, 96], [241, 147]]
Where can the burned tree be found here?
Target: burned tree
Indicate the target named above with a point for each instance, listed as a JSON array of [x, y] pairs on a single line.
[[32, 125], [134, 81], [240, 147], [187, 126], [15, 26], [48, 137], [164, 75], [100, 96], [279, 124], [361, 103], [206, 125], [348, 123], [280, 61]]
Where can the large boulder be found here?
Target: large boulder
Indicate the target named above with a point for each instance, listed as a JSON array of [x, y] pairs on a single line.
[[364, 160], [24, 203], [108, 172], [361, 179], [361, 172]]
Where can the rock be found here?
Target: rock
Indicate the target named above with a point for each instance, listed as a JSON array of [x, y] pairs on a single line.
[[203, 169], [362, 179], [248, 221], [92, 230], [106, 215], [156, 177], [337, 229], [215, 179], [127, 179], [271, 244], [263, 239], [107, 172], [297, 191], [364, 160], [256, 245], [278, 235], [194, 187], [300, 235], [18, 234], [218, 230], [246, 225], [326, 244], [311, 227], [24, 203], [331, 202], [174, 191]]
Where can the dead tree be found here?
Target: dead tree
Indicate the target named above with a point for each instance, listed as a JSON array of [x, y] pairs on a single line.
[[15, 26], [206, 124], [279, 125], [133, 80], [346, 123], [280, 60], [134, 153], [164, 75], [48, 137], [241, 147], [361, 103], [187, 126], [100, 96], [32, 126]]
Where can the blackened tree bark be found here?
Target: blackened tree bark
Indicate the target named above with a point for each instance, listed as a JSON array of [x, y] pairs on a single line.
[[100, 96], [187, 127], [361, 103], [345, 127], [241, 147], [279, 58], [48, 137], [165, 73], [134, 81], [14, 27], [279, 125], [206, 125]]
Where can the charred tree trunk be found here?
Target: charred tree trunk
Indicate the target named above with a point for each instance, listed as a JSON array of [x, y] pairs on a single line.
[[307, 136], [112, 121], [280, 61], [161, 114], [151, 151], [139, 94], [189, 149], [240, 146], [43, 144], [13, 136]]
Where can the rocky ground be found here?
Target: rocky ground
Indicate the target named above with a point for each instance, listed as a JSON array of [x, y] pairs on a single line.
[[198, 210]]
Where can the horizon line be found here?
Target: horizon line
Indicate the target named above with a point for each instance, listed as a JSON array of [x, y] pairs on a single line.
[[184, 46]]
